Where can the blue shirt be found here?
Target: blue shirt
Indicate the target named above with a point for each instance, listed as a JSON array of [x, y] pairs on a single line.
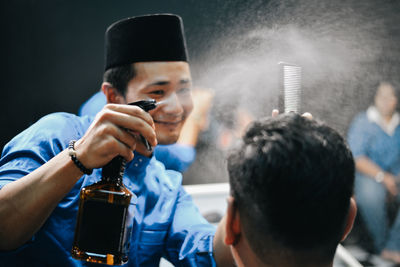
[[166, 221], [93, 105], [176, 157], [366, 138]]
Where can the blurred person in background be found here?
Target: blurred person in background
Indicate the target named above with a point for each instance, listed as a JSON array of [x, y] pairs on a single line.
[[227, 125], [291, 185], [374, 138], [230, 133]]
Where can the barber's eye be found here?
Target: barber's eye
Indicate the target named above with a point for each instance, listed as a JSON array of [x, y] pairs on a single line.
[[157, 92]]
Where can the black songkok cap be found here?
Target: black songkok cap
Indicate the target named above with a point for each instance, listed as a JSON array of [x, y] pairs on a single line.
[[147, 38]]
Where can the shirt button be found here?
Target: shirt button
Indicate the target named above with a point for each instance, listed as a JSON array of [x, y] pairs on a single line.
[[140, 160], [136, 164]]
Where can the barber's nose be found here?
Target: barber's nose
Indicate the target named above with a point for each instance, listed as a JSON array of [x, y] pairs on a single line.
[[172, 104]]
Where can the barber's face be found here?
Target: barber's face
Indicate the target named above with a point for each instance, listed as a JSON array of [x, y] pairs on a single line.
[[169, 82], [386, 100]]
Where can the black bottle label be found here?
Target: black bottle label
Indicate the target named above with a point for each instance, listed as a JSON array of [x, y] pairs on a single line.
[[103, 228]]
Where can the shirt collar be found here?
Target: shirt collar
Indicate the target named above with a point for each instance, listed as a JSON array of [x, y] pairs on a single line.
[[389, 128]]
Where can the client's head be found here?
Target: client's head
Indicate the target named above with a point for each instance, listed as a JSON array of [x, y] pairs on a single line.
[[291, 203]]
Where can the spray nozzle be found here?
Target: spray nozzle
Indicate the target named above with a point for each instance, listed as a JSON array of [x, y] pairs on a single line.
[[146, 105]]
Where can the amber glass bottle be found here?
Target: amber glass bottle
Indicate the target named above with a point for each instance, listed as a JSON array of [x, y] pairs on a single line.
[[105, 218]]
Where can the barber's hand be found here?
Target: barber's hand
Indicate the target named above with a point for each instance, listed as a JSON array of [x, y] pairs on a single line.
[[307, 115], [112, 133], [389, 182]]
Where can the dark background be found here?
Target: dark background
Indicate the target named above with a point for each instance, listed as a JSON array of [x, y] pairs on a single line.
[[52, 50]]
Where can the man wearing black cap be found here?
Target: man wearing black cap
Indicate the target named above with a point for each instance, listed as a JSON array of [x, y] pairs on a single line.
[[40, 178]]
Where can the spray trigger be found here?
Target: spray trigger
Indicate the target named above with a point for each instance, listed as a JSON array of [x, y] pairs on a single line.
[[146, 105]]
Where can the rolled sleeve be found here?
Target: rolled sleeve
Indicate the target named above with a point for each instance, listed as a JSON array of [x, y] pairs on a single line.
[[4, 182], [35, 146]]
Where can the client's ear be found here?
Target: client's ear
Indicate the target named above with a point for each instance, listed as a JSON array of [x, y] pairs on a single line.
[[232, 226], [350, 218], [112, 94]]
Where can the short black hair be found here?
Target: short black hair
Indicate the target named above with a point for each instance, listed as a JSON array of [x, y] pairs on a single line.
[[292, 179], [120, 76]]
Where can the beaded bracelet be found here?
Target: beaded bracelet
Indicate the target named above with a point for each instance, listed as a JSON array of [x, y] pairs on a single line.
[[72, 154]]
